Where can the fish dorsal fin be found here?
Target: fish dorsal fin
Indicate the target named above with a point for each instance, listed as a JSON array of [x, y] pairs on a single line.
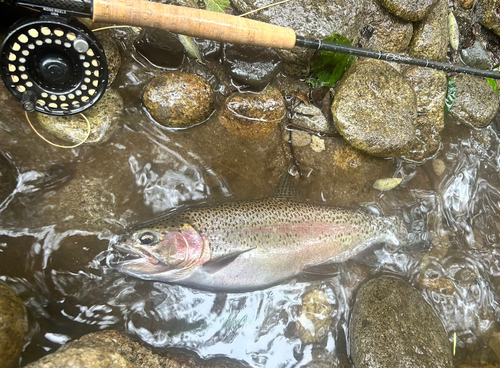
[[219, 263], [285, 189]]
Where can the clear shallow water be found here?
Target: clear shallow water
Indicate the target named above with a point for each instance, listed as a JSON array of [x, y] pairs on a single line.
[[54, 250]]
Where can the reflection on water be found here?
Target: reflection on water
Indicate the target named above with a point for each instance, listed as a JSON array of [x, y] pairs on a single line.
[[53, 245]]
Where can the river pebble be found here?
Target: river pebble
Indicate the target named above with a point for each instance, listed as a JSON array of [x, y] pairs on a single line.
[[430, 87], [250, 65], [430, 36], [13, 326], [179, 100], [253, 115], [102, 117], [476, 103], [112, 349], [160, 48], [476, 56], [409, 10], [487, 13], [385, 31], [375, 109], [393, 326], [315, 316], [113, 56]]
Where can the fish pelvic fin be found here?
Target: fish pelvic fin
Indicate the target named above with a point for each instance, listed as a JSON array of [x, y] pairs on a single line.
[[285, 189], [217, 264]]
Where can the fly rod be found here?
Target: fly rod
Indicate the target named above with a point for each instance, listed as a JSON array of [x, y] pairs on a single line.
[[55, 65]]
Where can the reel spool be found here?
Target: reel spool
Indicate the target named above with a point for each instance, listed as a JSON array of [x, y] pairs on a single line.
[[53, 65]]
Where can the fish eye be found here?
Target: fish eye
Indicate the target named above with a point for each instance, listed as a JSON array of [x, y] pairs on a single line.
[[148, 237]]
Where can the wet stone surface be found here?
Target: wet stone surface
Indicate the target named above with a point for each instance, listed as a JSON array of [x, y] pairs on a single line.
[[103, 119], [374, 109], [253, 115], [314, 318], [179, 100], [430, 36], [409, 10], [393, 326], [252, 66], [13, 325], [487, 13], [476, 103], [430, 87], [476, 56], [113, 56], [160, 48], [111, 349], [384, 31]]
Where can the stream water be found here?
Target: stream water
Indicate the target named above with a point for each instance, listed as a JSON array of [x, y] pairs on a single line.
[[55, 230]]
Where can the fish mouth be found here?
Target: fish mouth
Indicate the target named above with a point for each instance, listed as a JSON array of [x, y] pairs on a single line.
[[138, 262]]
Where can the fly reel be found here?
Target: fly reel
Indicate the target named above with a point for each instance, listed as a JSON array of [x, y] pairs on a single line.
[[53, 65]]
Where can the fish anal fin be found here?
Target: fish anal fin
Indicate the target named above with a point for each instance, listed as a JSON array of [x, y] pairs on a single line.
[[219, 263]]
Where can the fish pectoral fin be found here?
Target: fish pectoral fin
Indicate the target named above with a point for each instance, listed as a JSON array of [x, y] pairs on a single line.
[[219, 263], [323, 269]]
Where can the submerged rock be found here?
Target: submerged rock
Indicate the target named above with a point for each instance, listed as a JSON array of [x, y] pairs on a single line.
[[309, 18], [385, 31], [103, 119], [315, 316], [430, 36], [487, 13], [113, 56], [13, 326], [250, 65], [253, 115], [8, 178], [179, 100], [375, 109], [476, 103], [111, 349], [409, 10], [430, 87], [160, 47], [393, 326]]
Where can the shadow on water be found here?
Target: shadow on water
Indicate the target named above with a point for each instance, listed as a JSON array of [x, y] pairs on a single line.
[[55, 230]]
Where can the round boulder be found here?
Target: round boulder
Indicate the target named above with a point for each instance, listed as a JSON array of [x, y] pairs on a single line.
[[487, 13], [476, 102], [409, 10], [13, 325], [103, 120], [393, 326], [253, 115], [113, 56], [375, 109], [179, 100]]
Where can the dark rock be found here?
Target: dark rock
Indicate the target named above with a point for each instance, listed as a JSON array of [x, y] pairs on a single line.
[[250, 65], [13, 326], [113, 56], [102, 117], [476, 103], [309, 18], [388, 32], [375, 110], [179, 100], [476, 56], [8, 178], [487, 13], [393, 326], [253, 115], [430, 36], [466, 29], [160, 47], [111, 349], [409, 10], [430, 87], [209, 50]]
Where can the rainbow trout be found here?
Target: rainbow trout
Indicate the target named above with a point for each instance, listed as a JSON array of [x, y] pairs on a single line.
[[242, 246]]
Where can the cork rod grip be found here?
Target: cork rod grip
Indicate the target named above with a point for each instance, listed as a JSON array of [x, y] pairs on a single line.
[[193, 22]]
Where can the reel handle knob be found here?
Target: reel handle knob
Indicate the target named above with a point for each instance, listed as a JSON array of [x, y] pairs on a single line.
[[28, 101]]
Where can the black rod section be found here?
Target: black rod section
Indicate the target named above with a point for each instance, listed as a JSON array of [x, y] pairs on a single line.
[[387, 56]]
